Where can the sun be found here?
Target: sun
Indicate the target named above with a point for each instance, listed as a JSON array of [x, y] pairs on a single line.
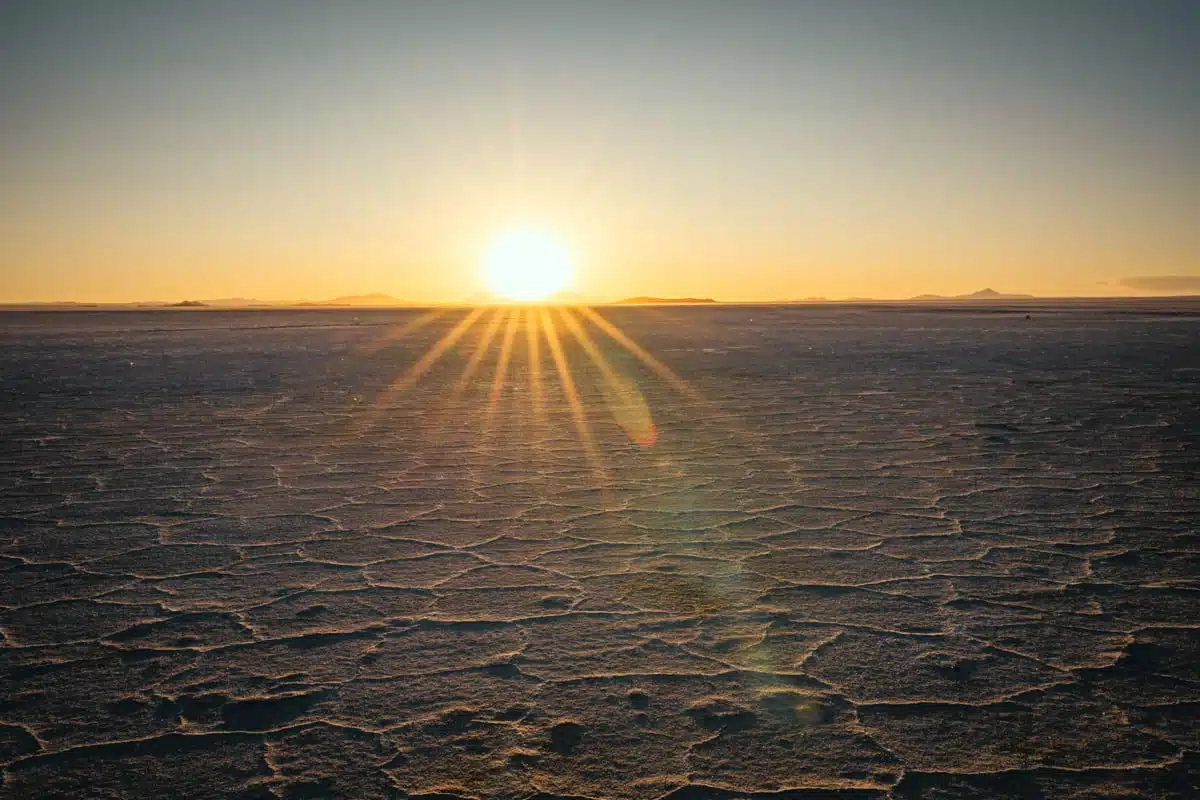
[[526, 264]]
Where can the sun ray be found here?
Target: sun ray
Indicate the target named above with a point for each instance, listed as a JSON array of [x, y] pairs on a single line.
[[568, 384], [397, 333], [481, 349], [588, 344], [434, 354], [506, 344], [659, 368], [532, 334], [639, 426]]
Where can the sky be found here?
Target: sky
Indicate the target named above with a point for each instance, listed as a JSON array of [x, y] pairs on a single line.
[[160, 150]]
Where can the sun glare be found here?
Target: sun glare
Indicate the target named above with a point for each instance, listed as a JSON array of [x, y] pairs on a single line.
[[527, 265]]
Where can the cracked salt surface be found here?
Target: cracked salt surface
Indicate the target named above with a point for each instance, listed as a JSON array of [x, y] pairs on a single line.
[[896, 554]]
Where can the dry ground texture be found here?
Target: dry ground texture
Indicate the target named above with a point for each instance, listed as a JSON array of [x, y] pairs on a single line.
[[831, 553]]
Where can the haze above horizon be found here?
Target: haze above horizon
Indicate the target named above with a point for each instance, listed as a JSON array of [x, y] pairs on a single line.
[[750, 151]]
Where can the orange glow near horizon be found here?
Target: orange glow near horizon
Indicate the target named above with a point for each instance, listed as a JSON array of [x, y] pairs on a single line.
[[430, 153]]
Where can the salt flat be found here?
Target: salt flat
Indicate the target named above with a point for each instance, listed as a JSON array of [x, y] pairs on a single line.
[[860, 552]]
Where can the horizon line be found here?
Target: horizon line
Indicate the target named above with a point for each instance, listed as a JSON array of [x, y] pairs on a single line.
[[186, 305]]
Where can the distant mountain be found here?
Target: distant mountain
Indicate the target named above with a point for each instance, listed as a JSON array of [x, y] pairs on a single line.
[[50, 304], [188, 304], [992, 294], [982, 294], [236, 302], [664, 300], [373, 299]]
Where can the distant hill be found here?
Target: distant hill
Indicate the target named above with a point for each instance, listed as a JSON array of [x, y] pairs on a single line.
[[236, 302], [982, 294], [664, 300], [53, 304], [188, 304], [374, 299]]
